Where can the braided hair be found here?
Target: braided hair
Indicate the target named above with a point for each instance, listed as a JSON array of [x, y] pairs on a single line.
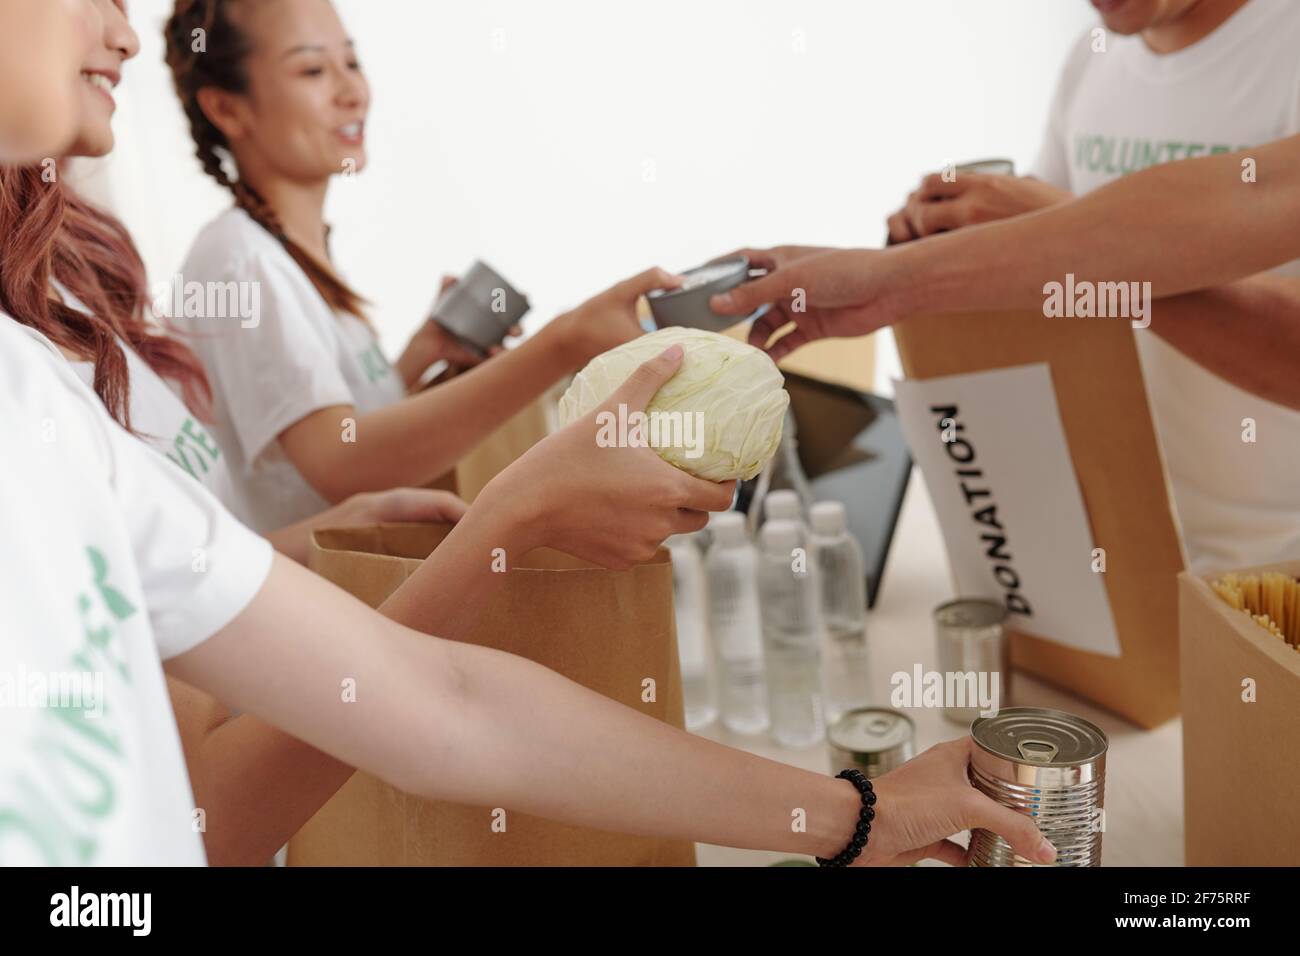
[[220, 62]]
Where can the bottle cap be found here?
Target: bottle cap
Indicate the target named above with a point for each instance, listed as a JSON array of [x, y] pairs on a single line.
[[779, 536], [828, 517], [728, 527], [782, 504]]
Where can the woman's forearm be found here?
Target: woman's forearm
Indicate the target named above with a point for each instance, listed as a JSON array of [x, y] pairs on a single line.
[[546, 746], [258, 785], [420, 438], [255, 785], [1247, 333], [429, 432], [1181, 226], [447, 592], [471, 725]]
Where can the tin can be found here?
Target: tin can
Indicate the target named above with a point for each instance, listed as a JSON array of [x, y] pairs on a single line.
[[1049, 765], [688, 306], [974, 657], [874, 740], [989, 167], [480, 309]]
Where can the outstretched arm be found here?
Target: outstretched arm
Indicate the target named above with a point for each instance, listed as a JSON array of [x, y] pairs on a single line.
[[1181, 226], [472, 725]]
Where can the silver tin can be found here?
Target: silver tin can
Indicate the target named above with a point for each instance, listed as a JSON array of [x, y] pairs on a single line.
[[974, 656], [1049, 765], [874, 740], [989, 167], [480, 309], [688, 305]]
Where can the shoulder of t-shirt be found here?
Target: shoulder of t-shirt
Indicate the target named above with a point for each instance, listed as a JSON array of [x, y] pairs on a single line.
[[234, 246], [1076, 63], [35, 374]]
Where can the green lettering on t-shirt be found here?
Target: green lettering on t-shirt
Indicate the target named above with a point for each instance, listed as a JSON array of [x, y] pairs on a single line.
[[374, 364], [193, 449], [59, 814], [1113, 156]]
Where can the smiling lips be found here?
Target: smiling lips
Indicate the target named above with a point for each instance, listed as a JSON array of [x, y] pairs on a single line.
[[352, 134], [102, 82]]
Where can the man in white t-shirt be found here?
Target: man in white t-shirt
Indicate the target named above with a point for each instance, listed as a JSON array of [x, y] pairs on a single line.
[[93, 769], [1167, 80]]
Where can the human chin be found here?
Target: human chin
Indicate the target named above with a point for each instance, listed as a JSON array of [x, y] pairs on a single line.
[[350, 160], [94, 135]]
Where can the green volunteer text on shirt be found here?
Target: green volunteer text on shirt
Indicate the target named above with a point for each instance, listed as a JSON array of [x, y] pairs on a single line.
[[58, 809], [1119, 155], [193, 448], [374, 363]]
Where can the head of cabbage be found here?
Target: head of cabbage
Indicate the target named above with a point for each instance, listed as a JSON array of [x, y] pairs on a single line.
[[718, 418]]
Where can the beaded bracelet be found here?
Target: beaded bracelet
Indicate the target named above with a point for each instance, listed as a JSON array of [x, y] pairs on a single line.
[[863, 831]]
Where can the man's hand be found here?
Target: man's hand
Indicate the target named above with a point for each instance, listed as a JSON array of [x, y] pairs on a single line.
[[971, 198], [775, 257], [835, 294]]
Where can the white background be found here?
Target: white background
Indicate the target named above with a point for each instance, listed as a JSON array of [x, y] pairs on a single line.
[[573, 142]]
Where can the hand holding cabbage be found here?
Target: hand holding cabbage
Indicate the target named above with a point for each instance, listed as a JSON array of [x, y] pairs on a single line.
[[719, 418]]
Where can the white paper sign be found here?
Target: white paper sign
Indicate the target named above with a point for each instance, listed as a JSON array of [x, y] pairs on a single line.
[[993, 452]]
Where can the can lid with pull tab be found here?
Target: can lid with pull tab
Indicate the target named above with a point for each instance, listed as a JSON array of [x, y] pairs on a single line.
[[1040, 737], [874, 738]]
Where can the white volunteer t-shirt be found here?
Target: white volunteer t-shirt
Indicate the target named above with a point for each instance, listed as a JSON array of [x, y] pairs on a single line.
[[1128, 108], [293, 357], [160, 418], [97, 577]]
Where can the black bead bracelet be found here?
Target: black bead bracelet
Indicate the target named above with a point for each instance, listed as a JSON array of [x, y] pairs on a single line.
[[862, 832]]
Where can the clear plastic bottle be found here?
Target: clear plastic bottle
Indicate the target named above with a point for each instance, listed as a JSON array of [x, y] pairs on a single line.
[[783, 473], [691, 609], [783, 504], [841, 578], [792, 635], [736, 624]]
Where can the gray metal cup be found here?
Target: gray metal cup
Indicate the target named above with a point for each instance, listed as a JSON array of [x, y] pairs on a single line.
[[989, 167], [481, 308], [688, 306]]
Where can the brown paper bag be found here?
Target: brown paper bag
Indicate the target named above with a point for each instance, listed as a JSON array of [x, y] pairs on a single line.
[[1117, 459], [607, 630]]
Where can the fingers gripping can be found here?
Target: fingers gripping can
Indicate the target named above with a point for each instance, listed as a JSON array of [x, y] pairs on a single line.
[[1046, 764]]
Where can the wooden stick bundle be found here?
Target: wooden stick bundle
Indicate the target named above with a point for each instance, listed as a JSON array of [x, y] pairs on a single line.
[[1272, 600]]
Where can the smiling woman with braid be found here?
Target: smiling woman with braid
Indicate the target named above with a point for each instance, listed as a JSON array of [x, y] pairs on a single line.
[[277, 105]]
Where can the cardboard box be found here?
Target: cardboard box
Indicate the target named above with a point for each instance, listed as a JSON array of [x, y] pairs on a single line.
[[1117, 460], [607, 630], [1241, 756]]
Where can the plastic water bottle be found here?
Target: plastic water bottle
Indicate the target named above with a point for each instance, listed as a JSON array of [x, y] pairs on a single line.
[[792, 635], [736, 624], [690, 607], [783, 473], [783, 504], [841, 578]]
